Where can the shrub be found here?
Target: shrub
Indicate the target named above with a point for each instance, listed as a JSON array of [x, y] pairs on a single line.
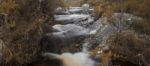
[[129, 45], [24, 29]]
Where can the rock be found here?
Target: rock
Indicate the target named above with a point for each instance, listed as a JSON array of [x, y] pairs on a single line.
[[61, 11], [86, 8], [71, 28], [66, 19], [75, 10]]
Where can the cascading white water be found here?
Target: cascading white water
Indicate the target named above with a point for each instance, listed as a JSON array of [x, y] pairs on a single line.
[[75, 24], [73, 59]]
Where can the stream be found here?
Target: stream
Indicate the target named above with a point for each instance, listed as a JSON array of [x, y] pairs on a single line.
[[76, 26]]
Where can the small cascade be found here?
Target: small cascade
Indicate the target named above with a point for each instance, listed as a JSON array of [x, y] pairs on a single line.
[[76, 22]]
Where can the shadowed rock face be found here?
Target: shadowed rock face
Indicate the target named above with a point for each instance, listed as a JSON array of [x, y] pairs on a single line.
[[1, 20], [1, 44], [54, 62], [122, 63], [146, 57], [47, 62]]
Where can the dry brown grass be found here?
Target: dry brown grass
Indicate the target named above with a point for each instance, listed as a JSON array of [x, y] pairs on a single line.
[[22, 45], [142, 26], [129, 45], [106, 58], [23, 31]]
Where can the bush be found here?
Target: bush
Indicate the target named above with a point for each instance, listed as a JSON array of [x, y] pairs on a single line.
[[129, 45], [142, 26], [23, 29]]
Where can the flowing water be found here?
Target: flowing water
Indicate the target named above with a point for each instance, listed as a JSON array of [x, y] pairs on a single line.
[[77, 22]]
